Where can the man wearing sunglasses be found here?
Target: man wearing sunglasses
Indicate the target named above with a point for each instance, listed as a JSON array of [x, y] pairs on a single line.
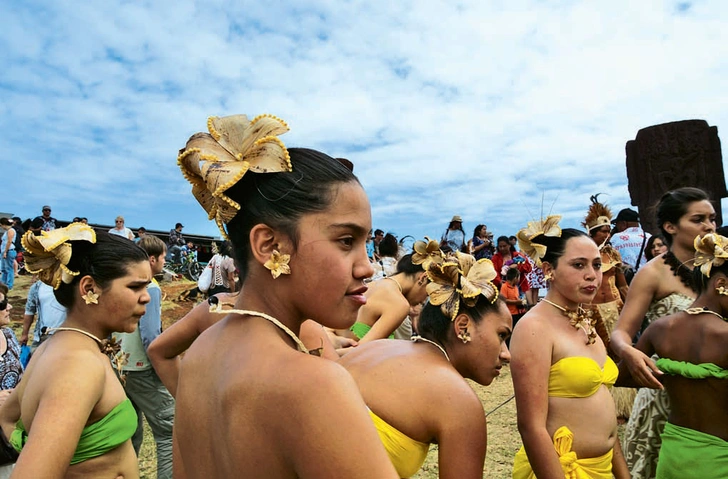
[[45, 222]]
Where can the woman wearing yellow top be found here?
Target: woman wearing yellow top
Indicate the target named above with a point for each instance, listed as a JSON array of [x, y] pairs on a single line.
[[249, 398], [561, 371], [403, 382]]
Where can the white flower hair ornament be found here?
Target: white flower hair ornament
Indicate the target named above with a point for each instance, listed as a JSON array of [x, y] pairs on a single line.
[[710, 250], [213, 162], [48, 255], [460, 277], [547, 227]]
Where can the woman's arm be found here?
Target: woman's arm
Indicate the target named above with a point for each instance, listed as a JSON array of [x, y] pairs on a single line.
[[640, 296], [67, 393], [531, 351], [462, 436], [389, 314], [165, 350], [619, 465]]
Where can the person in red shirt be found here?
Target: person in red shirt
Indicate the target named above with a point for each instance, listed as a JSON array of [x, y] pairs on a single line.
[[506, 258]]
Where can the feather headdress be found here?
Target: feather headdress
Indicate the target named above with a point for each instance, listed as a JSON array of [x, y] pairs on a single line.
[[599, 215]]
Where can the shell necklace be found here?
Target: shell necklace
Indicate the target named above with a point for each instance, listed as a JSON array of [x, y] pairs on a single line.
[[417, 337], [579, 319], [217, 307], [694, 311]]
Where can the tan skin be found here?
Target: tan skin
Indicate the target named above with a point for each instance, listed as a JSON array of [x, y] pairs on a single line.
[[259, 415], [166, 350], [69, 384], [606, 292], [655, 281], [703, 338], [413, 388], [387, 307], [543, 337]]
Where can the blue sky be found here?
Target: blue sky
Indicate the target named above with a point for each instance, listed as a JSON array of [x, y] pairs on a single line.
[[472, 108]]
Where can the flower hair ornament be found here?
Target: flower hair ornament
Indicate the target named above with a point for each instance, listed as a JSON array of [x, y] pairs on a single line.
[[427, 252], [460, 277], [710, 250], [546, 227], [48, 255], [213, 162]]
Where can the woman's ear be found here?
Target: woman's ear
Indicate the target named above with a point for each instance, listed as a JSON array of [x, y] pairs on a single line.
[[264, 240], [461, 323], [89, 288], [422, 279], [669, 227]]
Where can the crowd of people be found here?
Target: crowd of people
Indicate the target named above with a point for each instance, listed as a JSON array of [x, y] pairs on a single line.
[[328, 349]]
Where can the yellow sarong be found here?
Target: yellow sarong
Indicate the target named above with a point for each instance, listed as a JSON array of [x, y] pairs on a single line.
[[574, 468]]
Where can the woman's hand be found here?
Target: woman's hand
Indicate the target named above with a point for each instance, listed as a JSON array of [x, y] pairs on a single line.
[[642, 368]]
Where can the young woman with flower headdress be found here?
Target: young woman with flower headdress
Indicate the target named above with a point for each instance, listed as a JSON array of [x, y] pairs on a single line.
[[69, 416], [692, 348], [608, 302], [560, 367], [298, 221], [663, 286], [462, 333]]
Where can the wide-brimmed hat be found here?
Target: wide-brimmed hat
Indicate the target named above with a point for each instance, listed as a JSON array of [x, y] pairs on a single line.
[[629, 215], [456, 218]]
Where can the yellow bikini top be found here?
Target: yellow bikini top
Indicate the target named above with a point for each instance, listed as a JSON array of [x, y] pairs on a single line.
[[406, 454], [580, 377]]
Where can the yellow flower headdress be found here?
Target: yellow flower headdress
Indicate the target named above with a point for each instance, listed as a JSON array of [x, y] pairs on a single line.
[[427, 252], [213, 162], [546, 227], [599, 215], [710, 250], [48, 254], [460, 277]]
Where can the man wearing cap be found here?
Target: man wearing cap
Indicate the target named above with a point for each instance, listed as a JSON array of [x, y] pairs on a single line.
[[175, 243], [44, 222], [629, 238]]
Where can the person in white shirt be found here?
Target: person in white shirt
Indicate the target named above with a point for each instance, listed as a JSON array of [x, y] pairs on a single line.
[[121, 230], [629, 238]]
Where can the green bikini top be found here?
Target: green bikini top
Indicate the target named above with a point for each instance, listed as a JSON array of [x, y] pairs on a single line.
[[109, 432], [690, 370]]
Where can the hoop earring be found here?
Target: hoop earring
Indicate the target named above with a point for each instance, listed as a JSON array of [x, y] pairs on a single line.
[[90, 297], [278, 264], [464, 336], [722, 291]]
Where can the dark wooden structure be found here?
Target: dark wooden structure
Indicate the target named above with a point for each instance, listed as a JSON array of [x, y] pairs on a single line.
[[672, 155]]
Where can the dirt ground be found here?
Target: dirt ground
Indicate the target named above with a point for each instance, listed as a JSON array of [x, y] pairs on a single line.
[[503, 438]]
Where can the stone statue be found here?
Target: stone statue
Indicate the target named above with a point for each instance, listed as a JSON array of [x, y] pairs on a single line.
[[673, 155]]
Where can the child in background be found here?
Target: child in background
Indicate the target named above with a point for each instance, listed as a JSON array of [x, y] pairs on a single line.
[[189, 251], [512, 296]]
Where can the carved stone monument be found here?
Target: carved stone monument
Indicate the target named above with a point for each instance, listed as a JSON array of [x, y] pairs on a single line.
[[672, 155]]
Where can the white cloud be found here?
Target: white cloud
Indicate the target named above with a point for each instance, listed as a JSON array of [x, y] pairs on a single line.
[[469, 108]]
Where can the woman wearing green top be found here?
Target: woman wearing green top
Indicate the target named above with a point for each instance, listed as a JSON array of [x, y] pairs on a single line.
[[692, 348], [69, 416]]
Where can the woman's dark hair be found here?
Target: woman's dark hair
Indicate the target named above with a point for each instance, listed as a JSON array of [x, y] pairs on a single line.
[[452, 225], [650, 243], [436, 326], [106, 260], [406, 266], [389, 246], [477, 230], [674, 204], [226, 249], [700, 281], [505, 239], [556, 245], [279, 200]]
